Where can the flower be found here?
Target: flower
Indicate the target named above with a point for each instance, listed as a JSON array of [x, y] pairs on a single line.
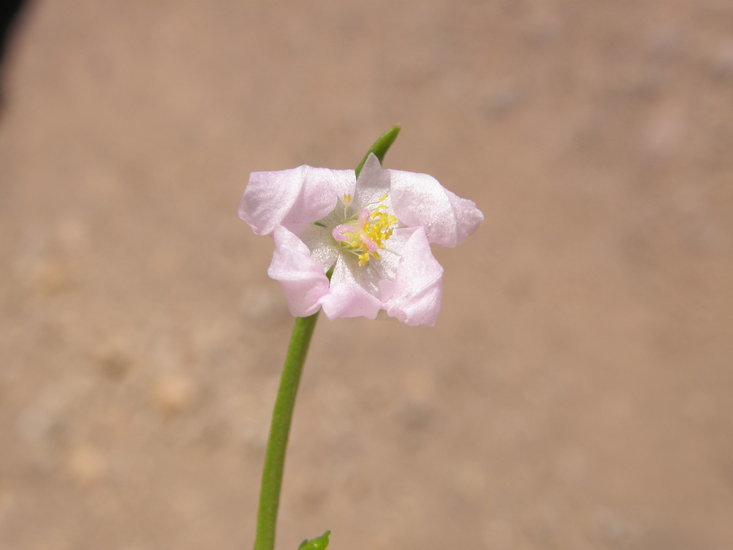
[[373, 232]]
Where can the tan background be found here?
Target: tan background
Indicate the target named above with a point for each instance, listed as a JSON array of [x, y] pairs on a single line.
[[576, 393]]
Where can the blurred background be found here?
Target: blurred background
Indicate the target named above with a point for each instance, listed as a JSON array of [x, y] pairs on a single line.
[[576, 392]]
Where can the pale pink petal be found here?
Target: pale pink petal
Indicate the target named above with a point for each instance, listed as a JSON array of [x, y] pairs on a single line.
[[349, 295], [420, 200], [319, 241], [322, 189], [413, 297], [302, 277], [292, 197], [391, 257], [372, 184], [467, 215]]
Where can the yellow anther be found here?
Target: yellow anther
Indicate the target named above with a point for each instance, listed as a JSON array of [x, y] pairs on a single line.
[[368, 232]]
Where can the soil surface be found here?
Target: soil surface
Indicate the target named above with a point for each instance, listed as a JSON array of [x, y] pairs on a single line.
[[576, 392]]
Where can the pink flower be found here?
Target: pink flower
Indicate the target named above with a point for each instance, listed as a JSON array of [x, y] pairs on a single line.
[[374, 232]]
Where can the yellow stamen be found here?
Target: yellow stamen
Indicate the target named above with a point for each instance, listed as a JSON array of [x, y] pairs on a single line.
[[366, 240]]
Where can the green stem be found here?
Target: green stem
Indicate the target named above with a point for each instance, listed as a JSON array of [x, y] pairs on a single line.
[[282, 415]]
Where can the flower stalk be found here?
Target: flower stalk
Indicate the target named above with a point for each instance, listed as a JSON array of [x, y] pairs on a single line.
[[272, 473], [282, 415], [351, 243]]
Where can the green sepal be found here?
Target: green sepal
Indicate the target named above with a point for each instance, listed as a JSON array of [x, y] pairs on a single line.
[[380, 147], [318, 543]]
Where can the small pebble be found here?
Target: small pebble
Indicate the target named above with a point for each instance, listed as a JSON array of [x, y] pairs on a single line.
[[49, 277], [174, 393], [113, 363], [86, 464]]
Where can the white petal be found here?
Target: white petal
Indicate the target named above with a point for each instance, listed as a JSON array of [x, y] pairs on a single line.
[[372, 184], [350, 294], [321, 244], [414, 295], [303, 278], [292, 197], [420, 200]]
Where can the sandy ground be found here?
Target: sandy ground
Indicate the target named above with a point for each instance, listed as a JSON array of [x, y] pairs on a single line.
[[576, 392]]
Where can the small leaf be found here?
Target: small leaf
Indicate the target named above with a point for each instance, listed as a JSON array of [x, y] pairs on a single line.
[[318, 543], [380, 147]]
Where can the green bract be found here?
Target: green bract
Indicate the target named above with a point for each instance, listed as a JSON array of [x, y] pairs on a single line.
[[318, 543]]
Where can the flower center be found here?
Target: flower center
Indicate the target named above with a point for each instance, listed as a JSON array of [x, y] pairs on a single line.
[[366, 233]]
